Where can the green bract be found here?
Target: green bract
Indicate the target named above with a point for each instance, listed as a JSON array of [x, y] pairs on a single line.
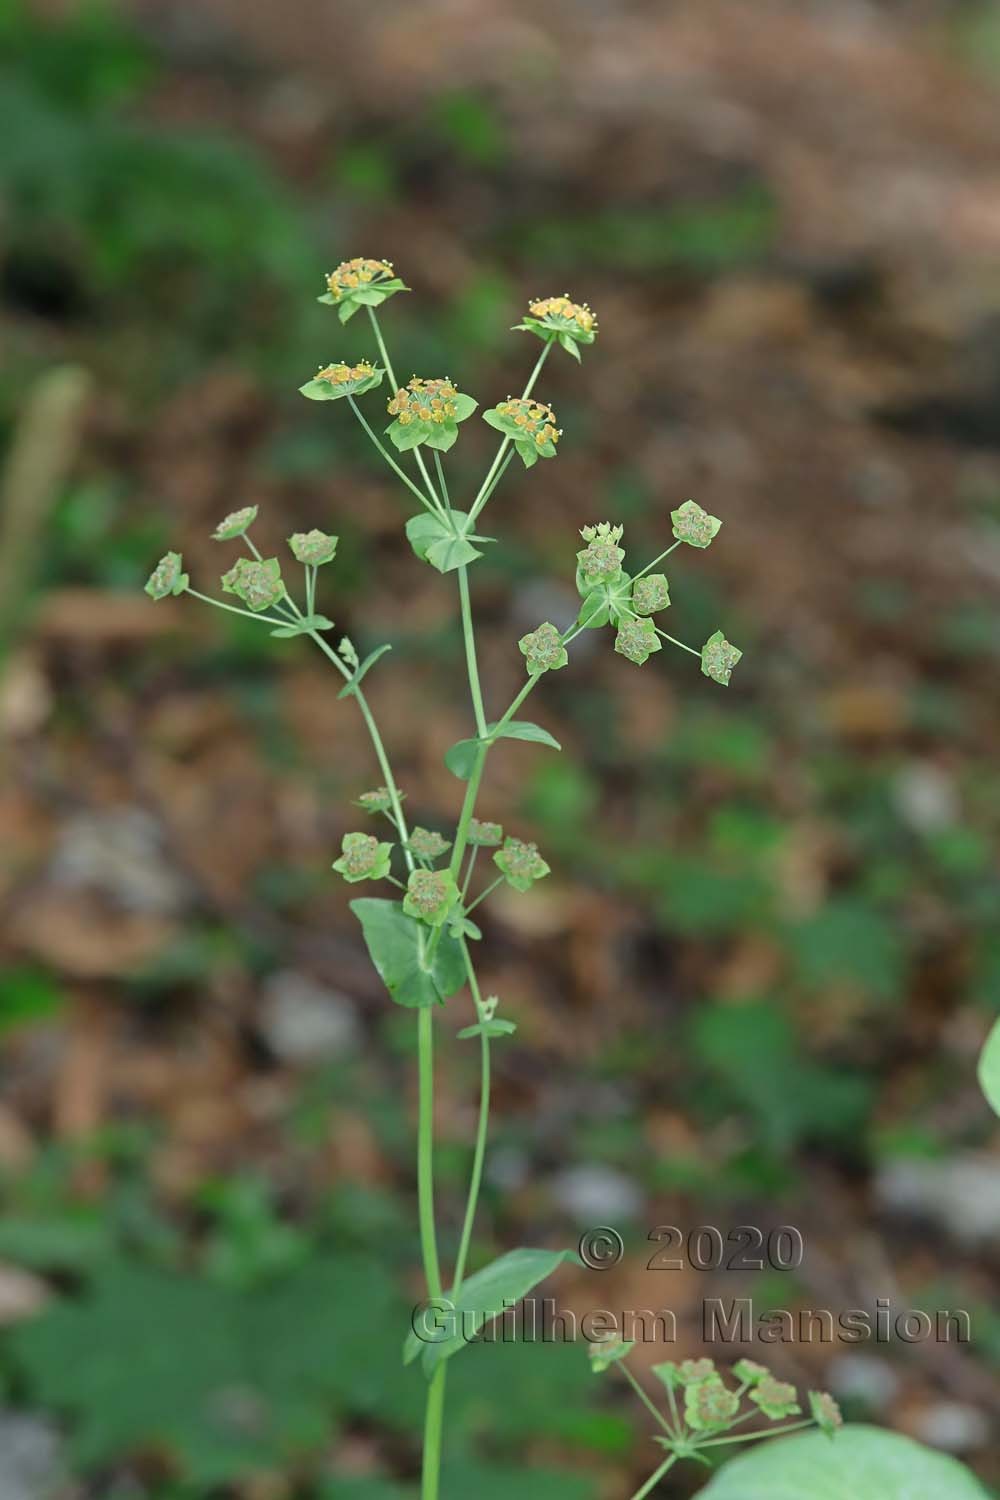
[[530, 425], [825, 1412], [427, 411], [332, 382], [377, 801], [637, 640], [694, 525], [718, 658], [364, 858], [520, 863], [236, 524], [167, 577], [543, 649], [258, 584], [572, 323], [360, 283], [750, 1372], [650, 593], [486, 835], [707, 1403], [427, 845], [430, 896], [776, 1398], [607, 1353], [600, 562], [314, 548]]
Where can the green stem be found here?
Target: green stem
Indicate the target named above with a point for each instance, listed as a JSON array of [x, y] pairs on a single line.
[[487, 487], [754, 1437], [384, 353], [479, 1153], [428, 504], [656, 1414], [425, 1150], [674, 642], [654, 1479], [234, 610], [643, 571], [442, 482], [469, 635], [483, 894], [433, 1425]]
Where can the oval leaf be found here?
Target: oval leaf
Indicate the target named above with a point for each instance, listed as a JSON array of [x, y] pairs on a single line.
[[859, 1463], [398, 946], [489, 1292], [989, 1069], [523, 729]]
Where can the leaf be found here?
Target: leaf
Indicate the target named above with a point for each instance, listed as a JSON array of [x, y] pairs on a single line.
[[398, 946], [523, 729], [303, 626], [859, 1463], [493, 1290], [989, 1069], [461, 757], [442, 438], [569, 344], [423, 530], [493, 1028], [452, 552], [354, 683]]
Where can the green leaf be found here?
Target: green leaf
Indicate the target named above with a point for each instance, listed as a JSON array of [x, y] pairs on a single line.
[[859, 1463], [493, 1290], [523, 729], [493, 1028], [442, 437], [423, 530], [460, 757], [594, 611], [569, 344], [398, 947], [464, 407], [354, 683], [405, 436], [303, 626], [451, 552], [989, 1069]]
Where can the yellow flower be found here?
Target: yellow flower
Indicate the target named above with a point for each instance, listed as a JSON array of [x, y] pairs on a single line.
[[428, 400], [562, 308], [360, 271]]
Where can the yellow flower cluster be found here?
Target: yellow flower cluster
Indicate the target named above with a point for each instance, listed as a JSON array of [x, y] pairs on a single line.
[[424, 401], [360, 271], [342, 374], [534, 418], [562, 307]]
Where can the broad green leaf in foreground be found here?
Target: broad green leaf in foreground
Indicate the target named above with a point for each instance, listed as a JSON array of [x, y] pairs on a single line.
[[860, 1463], [989, 1069], [397, 945], [461, 756], [495, 1289]]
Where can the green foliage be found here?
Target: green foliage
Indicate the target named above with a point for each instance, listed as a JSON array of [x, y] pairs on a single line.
[[861, 1463], [398, 948], [989, 1069], [752, 1049], [847, 942], [461, 757], [450, 1326]]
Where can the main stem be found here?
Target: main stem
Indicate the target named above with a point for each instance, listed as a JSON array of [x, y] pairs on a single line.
[[654, 1479]]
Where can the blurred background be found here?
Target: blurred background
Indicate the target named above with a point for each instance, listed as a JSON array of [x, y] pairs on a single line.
[[754, 988]]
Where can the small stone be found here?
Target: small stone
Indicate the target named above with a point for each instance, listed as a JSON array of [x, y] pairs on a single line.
[[595, 1194], [954, 1426], [32, 1465], [304, 1022]]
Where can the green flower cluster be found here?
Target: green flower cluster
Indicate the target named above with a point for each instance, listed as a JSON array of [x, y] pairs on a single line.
[[363, 858], [530, 425], [313, 548], [543, 650], [427, 411], [258, 584], [430, 896], [168, 577], [424, 844], [570, 323], [360, 282], [520, 863], [334, 382]]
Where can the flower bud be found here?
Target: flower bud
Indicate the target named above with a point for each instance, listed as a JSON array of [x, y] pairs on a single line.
[[520, 863], [825, 1412], [637, 640], [236, 524], [428, 411], [486, 835], [313, 547], [776, 1398], [694, 525], [718, 658], [363, 858], [360, 283], [377, 801], [425, 844], [258, 584], [572, 323], [167, 577], [650, 593], [600, 562], [430, 896], [543, 650], [530, 425], [333, 382], [708, 1404]]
